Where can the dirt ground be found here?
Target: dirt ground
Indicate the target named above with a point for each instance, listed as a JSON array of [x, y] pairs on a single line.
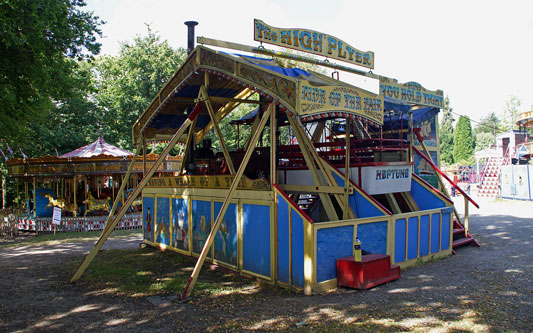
[[478, 289]]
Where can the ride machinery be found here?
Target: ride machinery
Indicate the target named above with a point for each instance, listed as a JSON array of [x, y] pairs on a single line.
[[326, 166]]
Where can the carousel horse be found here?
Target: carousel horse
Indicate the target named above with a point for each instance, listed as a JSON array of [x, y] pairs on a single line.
[[136, 205], [61, 204], [96, 204]]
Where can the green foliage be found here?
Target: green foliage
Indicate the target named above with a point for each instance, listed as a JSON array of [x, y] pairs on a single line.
[[489, 124], [126, 84], [40, 39], [463, 148], [484, 140], [446, 134], [510, 113]]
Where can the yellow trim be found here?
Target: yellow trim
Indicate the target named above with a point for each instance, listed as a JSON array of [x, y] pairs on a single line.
[[326, 285], [211, 193], [309, 262]]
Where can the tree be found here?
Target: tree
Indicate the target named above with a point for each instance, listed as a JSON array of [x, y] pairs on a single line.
[[40, 39], [446, 134], [510, 113], [127, 83], [484, 140], [486, 130], [72, 122], [463, 148]]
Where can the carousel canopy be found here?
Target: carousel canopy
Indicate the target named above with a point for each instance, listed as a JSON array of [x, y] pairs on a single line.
[[99, 147]]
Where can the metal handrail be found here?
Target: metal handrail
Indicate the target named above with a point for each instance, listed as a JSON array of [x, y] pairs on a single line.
[[445, 177]]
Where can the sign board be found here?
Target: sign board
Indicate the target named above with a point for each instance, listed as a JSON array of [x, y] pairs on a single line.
[[410, 92], [318, 99], [525, 115], [56, 216], [314, 42], [386, 179]]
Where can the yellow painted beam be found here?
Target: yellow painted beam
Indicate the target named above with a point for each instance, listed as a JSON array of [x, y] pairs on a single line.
[[205, 98], [313, 189], [324, 198], [122, 187], [210, 239]]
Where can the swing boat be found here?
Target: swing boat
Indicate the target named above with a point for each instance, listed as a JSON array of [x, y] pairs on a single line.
[[287, 212]]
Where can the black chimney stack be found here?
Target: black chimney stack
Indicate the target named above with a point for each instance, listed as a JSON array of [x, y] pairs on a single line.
[[190, 35]]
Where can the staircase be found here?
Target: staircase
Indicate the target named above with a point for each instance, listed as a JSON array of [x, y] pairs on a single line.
[[490, 182], [307, 201], [460, 238]]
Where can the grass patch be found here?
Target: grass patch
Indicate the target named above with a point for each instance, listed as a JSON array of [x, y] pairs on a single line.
[[149, 271], [68, 237]]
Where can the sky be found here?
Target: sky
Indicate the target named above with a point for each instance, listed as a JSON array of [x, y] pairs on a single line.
[[478, 52]]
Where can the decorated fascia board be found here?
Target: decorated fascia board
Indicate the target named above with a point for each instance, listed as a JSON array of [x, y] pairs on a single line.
[[338, 100], [410, 92], [262, 80]]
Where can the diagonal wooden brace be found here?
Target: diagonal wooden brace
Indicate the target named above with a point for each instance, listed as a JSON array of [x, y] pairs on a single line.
[[210, 239], [110, 227]]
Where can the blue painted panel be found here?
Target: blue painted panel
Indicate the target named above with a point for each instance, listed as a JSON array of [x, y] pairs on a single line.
[[399, 240], [256, 239], [284, 269], [412, 238], [424, 235], [226, 237], [424, 198], [435, 232], [445, 232], [163, 221], [148, 218], [361, 206], [297, 239], [41, 202], [332, 244], [180, 224], [201, 224], [373, 237]]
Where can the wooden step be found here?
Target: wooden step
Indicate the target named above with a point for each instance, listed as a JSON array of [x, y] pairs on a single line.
[[465, 241]]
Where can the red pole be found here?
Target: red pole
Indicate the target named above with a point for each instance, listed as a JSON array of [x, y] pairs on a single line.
[[445, 177]]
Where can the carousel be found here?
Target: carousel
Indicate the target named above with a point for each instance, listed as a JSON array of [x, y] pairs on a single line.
[[326, 190], [82, 183]]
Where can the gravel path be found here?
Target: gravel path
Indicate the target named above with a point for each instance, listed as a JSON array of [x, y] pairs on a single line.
[[478, 289]]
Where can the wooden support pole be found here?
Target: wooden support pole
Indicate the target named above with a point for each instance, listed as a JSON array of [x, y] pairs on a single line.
[[34, 198], [205, 97], [273, 148], [312, 165], [346, 170], [411, 138], [75, 181], [122, 186], [144, 155], [107, 232], [188, 145], [324, 167], [210, 239], [318, 130], [467, 219]]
